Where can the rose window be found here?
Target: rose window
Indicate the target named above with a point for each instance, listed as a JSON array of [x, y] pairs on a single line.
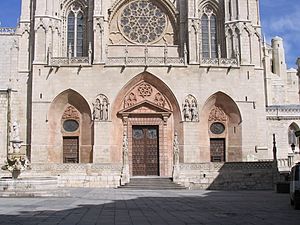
[[143, 22]]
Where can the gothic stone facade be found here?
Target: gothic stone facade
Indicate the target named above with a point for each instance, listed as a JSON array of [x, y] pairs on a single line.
[[106, 90]]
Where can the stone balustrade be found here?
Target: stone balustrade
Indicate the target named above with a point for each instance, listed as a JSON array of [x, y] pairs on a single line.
[[141, 55], [7, 30], [219, 62]]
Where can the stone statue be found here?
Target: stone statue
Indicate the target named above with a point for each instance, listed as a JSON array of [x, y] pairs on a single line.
[[186, 111], [176, 149], [15, 137], [194, 111], [97, 110], [101, 108], [190, 109], [105, 109], [15, 131]]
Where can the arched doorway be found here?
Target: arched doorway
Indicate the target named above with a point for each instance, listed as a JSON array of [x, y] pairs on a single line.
[[70, 129], [147, 112], [221, 129]]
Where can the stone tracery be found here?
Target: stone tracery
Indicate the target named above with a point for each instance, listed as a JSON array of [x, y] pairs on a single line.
[[144, 91], [142, 21]]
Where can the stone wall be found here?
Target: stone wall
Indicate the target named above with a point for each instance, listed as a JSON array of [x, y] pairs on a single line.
[[227, 176], [3, 125], [78, 175]]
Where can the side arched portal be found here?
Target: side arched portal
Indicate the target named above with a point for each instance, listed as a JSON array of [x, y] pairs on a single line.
[[222, 129], [70, 129], [148, 113]]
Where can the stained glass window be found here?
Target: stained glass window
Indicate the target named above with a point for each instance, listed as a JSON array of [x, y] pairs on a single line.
[[209, 34], [76, 31], [143, 22]]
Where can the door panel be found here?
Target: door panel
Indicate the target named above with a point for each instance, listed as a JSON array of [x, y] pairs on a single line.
[[70, 150], [145, 150], [217, 150]]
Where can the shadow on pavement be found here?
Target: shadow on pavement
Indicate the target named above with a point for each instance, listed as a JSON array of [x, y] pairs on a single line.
[[155, 208]]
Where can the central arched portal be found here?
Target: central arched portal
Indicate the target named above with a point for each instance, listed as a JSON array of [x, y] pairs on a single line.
[[150, 116]]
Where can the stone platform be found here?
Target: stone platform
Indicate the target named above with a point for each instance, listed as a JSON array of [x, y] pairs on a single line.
[[31, 187]]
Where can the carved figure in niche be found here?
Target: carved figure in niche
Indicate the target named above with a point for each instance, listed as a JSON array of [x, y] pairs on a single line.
[[97, 110], [105, 109], [15, 131], [217, 114], [186, 110], [130, 100], [194, 111], [176, 149], [190, 109], [15, 137], [160, 100], [101, 108]]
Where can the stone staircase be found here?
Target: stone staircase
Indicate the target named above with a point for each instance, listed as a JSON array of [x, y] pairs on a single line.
[[152, 183]]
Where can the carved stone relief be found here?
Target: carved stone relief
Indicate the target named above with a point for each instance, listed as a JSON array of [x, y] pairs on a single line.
[[101, 108], [145, 91], [190, 109], [217, 114], [71, 113], [130, 100], [160, 100]]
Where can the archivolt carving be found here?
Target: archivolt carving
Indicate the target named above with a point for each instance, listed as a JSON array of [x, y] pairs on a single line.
[[101, 108], [145, 91], [217, 114], [71, 113], [190, 109]]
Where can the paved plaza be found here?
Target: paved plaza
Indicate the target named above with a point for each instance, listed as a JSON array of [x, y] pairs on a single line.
[[137, 207]]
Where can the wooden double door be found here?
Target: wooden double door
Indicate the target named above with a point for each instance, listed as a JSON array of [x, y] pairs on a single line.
[[71, 150], [145, 151], [217, 150]]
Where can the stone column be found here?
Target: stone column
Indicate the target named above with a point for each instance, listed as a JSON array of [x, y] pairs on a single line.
[[125, 175]]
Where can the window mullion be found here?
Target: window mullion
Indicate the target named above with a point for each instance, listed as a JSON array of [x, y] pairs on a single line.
[[75, 36], [209, 38]]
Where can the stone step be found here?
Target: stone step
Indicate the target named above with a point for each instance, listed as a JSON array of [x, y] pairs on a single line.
[[152, 184], [35, 193]]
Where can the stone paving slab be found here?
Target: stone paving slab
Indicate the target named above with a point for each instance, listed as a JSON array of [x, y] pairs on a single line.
[[164, 207]]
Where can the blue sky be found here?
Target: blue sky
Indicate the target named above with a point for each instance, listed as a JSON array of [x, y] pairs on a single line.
[[279, 18]]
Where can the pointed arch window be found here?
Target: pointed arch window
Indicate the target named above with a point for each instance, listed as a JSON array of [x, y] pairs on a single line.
[[76, 28], [209, 33]]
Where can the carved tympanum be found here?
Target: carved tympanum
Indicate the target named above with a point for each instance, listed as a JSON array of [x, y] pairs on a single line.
[[71, 113], [145, 91], [217, 114]]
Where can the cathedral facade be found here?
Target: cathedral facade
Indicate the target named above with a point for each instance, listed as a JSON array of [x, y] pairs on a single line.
[[106, 90]]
